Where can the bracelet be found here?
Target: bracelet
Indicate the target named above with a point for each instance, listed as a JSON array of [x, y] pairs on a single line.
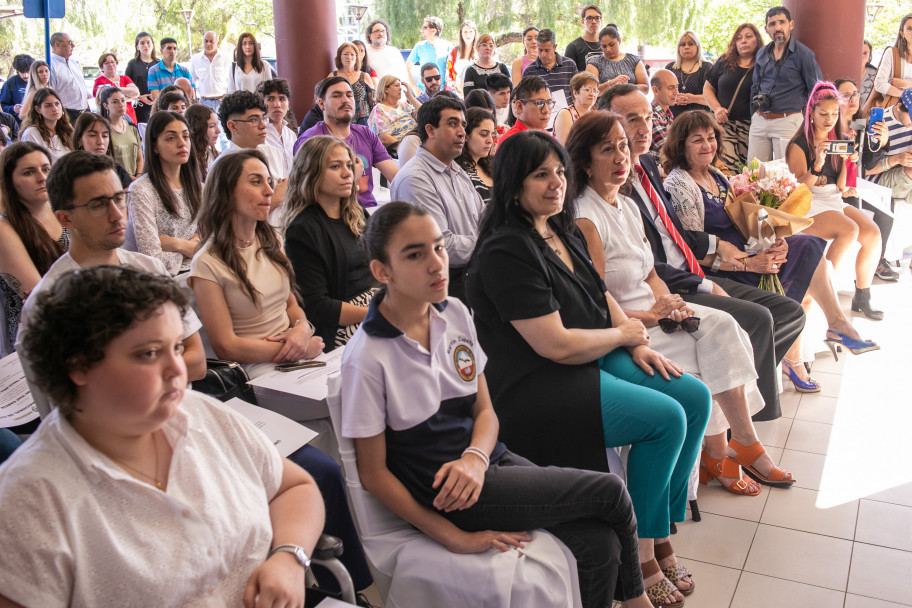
[[883, 163], [478, 452]]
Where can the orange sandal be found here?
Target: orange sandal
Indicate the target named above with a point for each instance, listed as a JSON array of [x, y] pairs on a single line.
[[746, 456], [662, 591], [710, 469]]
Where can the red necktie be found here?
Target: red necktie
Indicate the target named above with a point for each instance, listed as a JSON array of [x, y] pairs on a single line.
[[669, 226]]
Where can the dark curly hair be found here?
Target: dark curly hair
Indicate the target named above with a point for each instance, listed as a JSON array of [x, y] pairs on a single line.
[[74, 321], [236, 104], [474, 118], [682, 127], [731, 56]]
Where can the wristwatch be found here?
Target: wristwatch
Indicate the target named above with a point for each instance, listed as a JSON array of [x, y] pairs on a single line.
[[717, 263], [295, 550]]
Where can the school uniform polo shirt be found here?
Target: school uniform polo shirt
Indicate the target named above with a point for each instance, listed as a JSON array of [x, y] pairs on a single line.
[[421, 398]]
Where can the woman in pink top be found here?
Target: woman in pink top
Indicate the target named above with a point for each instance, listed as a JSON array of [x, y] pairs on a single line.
[[110, 78]]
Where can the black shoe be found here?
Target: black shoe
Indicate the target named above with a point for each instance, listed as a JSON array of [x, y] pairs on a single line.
[[862, 303], [885, 271]]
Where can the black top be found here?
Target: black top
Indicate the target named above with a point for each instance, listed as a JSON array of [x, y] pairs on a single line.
[[484, 191], [476, 77], [725, 81], [690, 83], [123, 175], [581, 50], [138, 70], [312, 117], [831, 166], [549, 412], [329, 268]]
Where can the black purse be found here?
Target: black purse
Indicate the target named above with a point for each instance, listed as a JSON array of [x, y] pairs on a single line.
[[225, 380]]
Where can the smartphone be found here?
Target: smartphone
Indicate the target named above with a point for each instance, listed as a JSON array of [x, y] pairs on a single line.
[[841, 146], [290, 367], [876, 116]]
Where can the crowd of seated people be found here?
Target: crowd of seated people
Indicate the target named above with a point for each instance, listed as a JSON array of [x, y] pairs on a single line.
[[547, 285]]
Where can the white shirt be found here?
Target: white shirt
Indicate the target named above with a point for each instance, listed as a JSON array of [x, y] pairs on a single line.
[[274, 159], [55, 148], [284, 141], [78, 530], [64, 264], [387, 60], [210, 77], [67, 81], [239, 81]]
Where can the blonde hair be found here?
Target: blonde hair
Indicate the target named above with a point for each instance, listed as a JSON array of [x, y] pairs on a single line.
[[307, 175], [380, 91], [693, 36]]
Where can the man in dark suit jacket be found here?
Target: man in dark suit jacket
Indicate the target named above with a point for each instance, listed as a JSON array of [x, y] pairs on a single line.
[[773, 322]]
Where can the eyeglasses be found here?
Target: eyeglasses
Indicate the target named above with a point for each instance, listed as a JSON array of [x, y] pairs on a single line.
[[852, 97], [690, 324], [593, 18], [540, 103], [98, 206], [253, 120], [432, 78], [486, 44], [588, 90], [378, 31]]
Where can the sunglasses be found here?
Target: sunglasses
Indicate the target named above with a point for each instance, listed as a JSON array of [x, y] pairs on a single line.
[[432, 78], [690, 325]]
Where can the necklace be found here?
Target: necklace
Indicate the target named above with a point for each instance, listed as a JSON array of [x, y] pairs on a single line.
[[153, 478], [244, 243], [550, 240]]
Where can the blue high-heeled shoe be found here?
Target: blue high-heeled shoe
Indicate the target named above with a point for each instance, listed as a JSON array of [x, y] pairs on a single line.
[[856, 347], [802, 386]]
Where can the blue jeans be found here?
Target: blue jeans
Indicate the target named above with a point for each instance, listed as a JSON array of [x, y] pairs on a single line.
[[663, 422], [589, 512], [339, 521]]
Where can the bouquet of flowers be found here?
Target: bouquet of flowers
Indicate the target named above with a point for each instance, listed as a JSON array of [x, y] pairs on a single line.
[[766, 202]]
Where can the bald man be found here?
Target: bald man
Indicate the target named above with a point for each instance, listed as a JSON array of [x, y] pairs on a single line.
[[209, 70], [664, 89]]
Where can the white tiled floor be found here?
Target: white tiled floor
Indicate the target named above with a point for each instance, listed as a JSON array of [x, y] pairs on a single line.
[[780, 549]]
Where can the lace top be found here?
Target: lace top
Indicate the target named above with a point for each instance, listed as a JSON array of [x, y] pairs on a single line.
[[149, 219]]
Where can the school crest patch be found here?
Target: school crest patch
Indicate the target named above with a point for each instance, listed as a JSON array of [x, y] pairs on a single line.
[[465, 362]]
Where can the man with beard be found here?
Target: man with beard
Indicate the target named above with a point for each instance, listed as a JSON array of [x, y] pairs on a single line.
[[430, 78], [337, 102], [382, 57], [784, 76], [433, 180], [90, 202]]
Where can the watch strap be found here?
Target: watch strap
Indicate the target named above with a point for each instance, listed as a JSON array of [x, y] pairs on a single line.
[[298, 552]]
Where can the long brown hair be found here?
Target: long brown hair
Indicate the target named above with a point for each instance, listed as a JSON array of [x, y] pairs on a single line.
[[216, 222], [731, 56], [255, 60], [189, 174], [197, 117], [307, 175], [41, 248], [63, 129], [467, 49], [84, 122], [901, 45]]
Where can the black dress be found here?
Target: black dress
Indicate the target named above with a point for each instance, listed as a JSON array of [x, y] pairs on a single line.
[[690, 83], [138, 70], [549, 412]]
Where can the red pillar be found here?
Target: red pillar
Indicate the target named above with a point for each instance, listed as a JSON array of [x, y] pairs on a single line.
[[306, 43], [834, 30]]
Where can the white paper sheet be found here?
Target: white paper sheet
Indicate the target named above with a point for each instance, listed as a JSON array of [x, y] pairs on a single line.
[[16, 403], [309, 383], [286, 434], [332, 603], [876, 195], [560, 102]]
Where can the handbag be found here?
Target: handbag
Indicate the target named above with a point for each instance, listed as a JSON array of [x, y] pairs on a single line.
[[877, 99], [225, 380]]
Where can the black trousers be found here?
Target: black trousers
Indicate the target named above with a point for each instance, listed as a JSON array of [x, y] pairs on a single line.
[[883, 221], [773, 323], [73, 115]]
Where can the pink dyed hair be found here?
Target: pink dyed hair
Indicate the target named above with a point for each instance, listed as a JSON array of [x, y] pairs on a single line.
[[823, 91]]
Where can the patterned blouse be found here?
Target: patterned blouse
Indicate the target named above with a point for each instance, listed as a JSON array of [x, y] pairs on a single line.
[[608, 69], [149, 219], [395, 121]]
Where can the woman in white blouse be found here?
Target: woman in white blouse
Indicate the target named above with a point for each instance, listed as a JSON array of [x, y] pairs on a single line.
[[885, 81], [164, 202], [712, 347], [135, 487], [248, 68], [47, 124]]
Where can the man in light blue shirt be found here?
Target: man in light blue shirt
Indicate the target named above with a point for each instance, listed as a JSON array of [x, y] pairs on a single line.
[[430, 50], [166, 71], [66, 76], [433, 180]]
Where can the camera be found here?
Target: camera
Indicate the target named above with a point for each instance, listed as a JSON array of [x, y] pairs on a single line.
[[841, 146], [761, 101]]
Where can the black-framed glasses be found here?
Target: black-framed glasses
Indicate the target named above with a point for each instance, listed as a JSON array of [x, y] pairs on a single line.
[[852, 97], [540, 103], [432, 78], [98, 206], [592, 18], [253, 120], [378, 31], [690, 325]]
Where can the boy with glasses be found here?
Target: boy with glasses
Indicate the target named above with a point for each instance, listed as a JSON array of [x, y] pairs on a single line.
[[532, 105], [587, 45]]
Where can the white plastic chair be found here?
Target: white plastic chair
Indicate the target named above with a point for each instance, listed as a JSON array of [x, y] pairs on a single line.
[[410, 569]]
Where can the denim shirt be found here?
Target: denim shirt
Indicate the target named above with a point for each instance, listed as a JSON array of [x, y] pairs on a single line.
[[790, 87]]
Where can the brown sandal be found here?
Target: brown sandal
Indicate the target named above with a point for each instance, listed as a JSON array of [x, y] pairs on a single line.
[[747, 455], [662, 591], [676, 572]]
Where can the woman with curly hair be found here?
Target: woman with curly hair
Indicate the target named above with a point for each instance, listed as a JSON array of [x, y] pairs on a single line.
[[47, 124], [477, 158]]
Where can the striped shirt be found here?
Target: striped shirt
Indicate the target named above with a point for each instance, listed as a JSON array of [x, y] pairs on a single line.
[[558, 77], [900, 135], [160, 76]]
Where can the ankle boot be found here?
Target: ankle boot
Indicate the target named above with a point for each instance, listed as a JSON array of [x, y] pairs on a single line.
[[861, 302]]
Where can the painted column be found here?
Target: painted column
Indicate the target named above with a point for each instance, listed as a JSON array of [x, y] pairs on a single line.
[[834, 30], [306, 45]]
